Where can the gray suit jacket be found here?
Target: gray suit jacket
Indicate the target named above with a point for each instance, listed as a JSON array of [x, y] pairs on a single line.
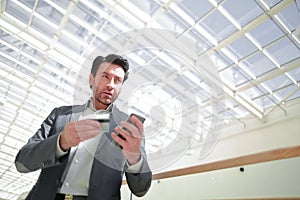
[[107, 169]]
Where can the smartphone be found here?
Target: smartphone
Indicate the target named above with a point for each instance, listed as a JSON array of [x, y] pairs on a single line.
[[142, 119]]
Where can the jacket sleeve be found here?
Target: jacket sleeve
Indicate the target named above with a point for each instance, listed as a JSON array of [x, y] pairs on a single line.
[[139, 183], [40, 150]]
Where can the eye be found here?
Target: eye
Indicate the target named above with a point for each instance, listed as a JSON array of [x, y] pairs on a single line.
[[118, 81], [105, 76]]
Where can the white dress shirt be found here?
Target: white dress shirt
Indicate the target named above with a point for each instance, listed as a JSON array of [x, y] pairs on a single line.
[[81, 157]]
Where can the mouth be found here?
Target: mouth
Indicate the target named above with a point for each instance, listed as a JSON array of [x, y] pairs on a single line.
[[109, 94]]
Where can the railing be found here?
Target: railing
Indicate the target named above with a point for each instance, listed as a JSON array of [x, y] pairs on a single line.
[[277, 154], [266, 156]]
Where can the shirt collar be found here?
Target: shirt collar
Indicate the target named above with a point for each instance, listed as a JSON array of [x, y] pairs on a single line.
[[90, 106]]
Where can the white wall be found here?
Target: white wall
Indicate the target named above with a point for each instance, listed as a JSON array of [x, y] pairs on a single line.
[[279, 178], [276, 178], [275, 131]]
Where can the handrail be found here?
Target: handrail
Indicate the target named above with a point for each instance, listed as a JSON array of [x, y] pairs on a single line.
[[271, 155], [260, 157]]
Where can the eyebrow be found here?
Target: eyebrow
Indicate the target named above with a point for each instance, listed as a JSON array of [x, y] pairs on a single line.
[[118, 77]]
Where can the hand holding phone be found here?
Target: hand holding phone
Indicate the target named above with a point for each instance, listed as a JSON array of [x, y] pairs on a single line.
[[129, 138], [140, 118]]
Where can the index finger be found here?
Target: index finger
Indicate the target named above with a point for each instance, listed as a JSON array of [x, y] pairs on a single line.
[[138, 124]]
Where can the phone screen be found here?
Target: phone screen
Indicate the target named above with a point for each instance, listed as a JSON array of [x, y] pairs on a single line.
[[142, 119]]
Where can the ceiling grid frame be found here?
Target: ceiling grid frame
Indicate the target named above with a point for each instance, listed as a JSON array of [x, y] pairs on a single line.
[[11, 26]]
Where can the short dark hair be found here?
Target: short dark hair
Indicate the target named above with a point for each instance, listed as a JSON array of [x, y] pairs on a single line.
[[111, 58]]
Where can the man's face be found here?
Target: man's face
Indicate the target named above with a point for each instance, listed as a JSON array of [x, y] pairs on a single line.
[[106, 85]]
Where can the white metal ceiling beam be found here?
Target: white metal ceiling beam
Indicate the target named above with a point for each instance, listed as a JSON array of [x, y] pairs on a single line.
[[63, 23], [213, 79], [3, 6], [251, 25], [293, 64], [282, 102]]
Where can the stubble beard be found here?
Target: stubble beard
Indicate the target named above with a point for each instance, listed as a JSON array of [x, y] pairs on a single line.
[[100, 101]]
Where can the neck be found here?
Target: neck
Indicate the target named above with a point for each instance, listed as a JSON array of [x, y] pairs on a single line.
[[98, 105]]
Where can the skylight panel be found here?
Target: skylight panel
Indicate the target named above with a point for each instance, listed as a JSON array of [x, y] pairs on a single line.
[[284, 51], [64, 59], [90, 29], [295, 73], [129, 16], [170, 22], [140, 14], [9, 52], [31, 55], [76, 43], [242, 47], [29, 4], [95, 10], [201, 43], [192, 77], [258, 64], [242, 11], [229, 54], [182, 14], [40, 20], [62, 3], [290, 17], [195, 9], [220, 30], [287, 74], [270, 3], [9, 38], [136, 58], [221, 61], [235, 76], [120, 23], [8, 149], [49, 12], [240, 112], [254, 92], [266, 32], [206, 34], [14, 95], [201, 95], [7, 26], [33, 40], [286, 91], [14, 142], [295, 94], [266, 101], [168, 58], [18, 10], [35, 99], [25, 71], [17, 80], [230, 17]]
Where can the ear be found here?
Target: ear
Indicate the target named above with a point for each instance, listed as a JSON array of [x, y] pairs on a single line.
[[91, 80]]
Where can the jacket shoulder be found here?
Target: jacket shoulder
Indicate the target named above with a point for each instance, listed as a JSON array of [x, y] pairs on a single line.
[[67, 110]]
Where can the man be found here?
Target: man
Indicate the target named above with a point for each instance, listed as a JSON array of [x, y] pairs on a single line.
[[83, 158]]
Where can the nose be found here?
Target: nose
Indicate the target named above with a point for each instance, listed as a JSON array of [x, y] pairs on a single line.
[[111, 84]]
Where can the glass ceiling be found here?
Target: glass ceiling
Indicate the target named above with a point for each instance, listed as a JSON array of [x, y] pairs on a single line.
[[45, 45]]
